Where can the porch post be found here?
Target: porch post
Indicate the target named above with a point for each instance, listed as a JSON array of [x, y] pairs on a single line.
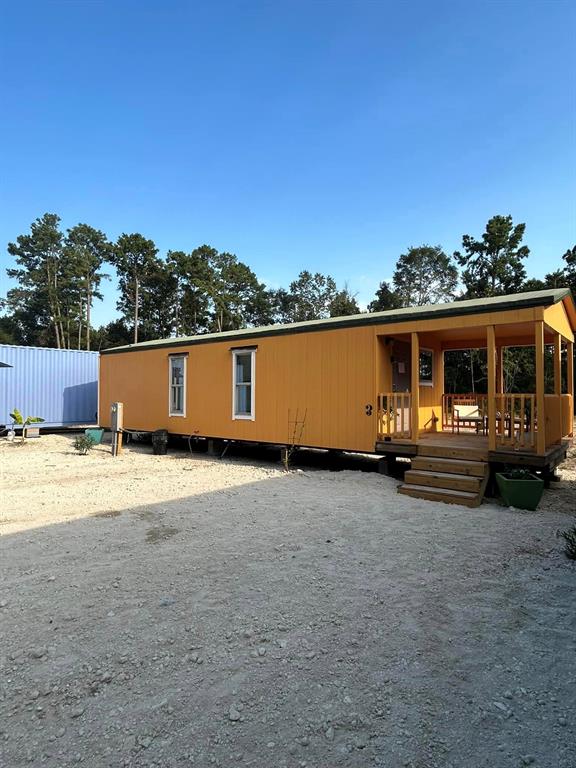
[[558, 380], [439, 385], [500, 370], [540, 407], [557, 365], [415, 387], [570, 377], [570, 367], [501, 381], [491, 352]]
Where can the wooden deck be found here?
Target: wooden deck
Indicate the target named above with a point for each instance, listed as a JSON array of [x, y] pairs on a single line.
[[447, 444], [468, 443], [470, 446]]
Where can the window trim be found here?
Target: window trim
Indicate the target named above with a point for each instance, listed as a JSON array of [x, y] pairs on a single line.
[[430, 383], [183, 357], [252, 415]]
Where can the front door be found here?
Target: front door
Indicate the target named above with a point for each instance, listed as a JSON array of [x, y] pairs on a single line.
[[400, 359]]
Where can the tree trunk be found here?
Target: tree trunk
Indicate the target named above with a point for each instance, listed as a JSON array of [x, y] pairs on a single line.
[[53, 310], [58, 313], [56, 329], [178, 310], [52, 305], [60, 323], [136, 301], [88, 308], [61, 326], [80, 326], [58, 308]]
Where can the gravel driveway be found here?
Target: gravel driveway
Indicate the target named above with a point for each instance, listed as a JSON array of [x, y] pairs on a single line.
[[186, 611]]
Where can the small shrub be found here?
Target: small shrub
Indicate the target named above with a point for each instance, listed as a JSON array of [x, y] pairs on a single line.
[[83, 444], [569, 537], [519, 474]]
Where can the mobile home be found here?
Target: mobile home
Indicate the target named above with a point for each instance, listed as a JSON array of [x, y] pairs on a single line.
[[367, 383]]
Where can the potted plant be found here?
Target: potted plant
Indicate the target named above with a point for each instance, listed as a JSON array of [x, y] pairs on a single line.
[[520, 488]]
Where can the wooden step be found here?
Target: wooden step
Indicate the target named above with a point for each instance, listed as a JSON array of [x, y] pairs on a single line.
[[455, 482], [449, 452], [464, 498], [452, 466]]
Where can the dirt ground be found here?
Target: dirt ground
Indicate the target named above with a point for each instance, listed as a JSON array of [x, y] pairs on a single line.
[[187, 611]]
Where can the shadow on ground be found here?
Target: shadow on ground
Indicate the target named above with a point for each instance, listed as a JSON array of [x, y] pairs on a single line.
[[313, 618]]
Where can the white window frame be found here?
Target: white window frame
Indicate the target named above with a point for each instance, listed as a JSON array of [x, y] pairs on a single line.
[[426, 383], [185, 376], [252, 415]]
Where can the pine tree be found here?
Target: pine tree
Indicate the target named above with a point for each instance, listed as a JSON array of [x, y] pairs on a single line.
[[134, 257], [309, 298], [193, 279], [43, 283], [424, 275], [385, 300], [570, 270], [87, 249], [158, 302], [238, 298], [493, 266], [344, 303]]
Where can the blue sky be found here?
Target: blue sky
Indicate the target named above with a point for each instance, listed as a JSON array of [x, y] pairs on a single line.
[[321, 135]]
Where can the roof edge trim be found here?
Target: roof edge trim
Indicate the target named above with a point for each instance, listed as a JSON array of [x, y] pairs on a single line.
[[455, 309]]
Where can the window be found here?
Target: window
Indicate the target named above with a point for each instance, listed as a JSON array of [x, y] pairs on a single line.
[[243, 380], [426, 368], [177, 385]]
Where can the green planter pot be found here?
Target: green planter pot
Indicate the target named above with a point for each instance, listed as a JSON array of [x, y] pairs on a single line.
[[524, 493], [95, 434]]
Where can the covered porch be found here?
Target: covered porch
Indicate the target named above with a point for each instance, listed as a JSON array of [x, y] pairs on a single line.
[[416, 410]]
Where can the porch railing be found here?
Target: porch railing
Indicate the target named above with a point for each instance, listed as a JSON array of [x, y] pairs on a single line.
[[559, 418], [516, 417], [466, 412], [394, 413], [516, 421]]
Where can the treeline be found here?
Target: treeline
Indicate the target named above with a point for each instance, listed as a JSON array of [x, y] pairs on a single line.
[[60, 274]]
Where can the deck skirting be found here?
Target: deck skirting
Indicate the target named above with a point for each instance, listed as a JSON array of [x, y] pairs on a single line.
[[474, 448]]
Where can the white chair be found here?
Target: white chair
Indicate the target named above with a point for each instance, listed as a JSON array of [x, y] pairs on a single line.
[[468, 415]]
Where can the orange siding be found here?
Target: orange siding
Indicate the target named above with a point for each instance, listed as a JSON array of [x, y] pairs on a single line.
[[431, 397], [326, 378], [567, 415], [554, 421], [431, 325], [557, 319]]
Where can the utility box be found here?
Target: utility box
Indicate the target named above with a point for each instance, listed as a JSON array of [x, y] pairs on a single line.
[[117, 417]]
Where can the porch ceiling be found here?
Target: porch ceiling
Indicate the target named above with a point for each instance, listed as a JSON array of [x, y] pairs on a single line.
[[513, 335]]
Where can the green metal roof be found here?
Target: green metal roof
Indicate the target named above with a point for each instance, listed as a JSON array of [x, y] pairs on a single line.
[[428, 311]]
